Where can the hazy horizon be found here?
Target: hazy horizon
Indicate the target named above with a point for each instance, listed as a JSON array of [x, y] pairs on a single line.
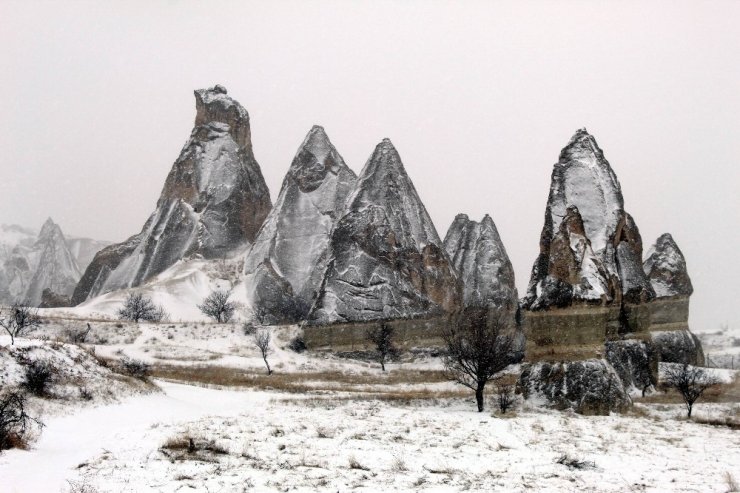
[[477, 97]]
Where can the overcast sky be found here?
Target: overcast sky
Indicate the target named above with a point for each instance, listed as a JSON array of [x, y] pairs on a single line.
[[478, 97]]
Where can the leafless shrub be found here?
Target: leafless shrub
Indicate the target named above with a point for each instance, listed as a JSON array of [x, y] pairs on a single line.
[[249, 328], [382, 339], [689, 381], [39, 374], [80, 487], [77, 335], [355, 464], [193, 445], [478, 347], [262, 341], [217, 306], [398, 464], [575, 463], [18, 319], [297, 344], [14, 420], [732, 485], [504, 397], [323, 432], [138, 307], [135, 368]]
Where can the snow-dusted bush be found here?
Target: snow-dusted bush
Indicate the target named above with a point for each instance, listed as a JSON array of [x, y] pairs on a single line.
[[297, 344], [38, 377], [138, 307], [262, 341], [14, 420], [18, 319], [382, 339], [217, 306], [135, 368], [689, 381]]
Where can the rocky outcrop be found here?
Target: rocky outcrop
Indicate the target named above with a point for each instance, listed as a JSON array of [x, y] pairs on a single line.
[[589, 386], [386, 259], [480, 261], [55, 267], [665, 267], [213, 203], [30, 264], [84, 250], [635, 361], [590, 248], [285, 263]]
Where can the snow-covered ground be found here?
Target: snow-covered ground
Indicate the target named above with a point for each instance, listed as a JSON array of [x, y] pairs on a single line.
[[324, 423]]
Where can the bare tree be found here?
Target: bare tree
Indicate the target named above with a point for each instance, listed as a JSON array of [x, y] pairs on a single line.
[[138, 307], [689, 381], [14, 420], [217, 306], [504, 397], [382, 337], [18, 319], [262, 341], [479, 345]]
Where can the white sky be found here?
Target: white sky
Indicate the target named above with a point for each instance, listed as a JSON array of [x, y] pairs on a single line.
[[478, 97]]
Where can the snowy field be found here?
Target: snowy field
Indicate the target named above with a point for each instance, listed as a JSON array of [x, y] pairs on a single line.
[[324, 423]]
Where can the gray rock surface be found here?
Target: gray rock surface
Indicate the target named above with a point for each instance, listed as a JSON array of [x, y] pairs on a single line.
[[213, 203], [480, 260], [589, 386], [285, 264], [590, 248], [665, 267], [635, 361], [678, 346], [386, 259], [33, 263]]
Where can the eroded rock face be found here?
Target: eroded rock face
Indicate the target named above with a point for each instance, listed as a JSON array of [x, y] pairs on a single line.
[[386, 259], [590, 248], [678, 346], [665, 267], [287, 259], [589, 386], [480, 260], [213, 203], [635, 361]]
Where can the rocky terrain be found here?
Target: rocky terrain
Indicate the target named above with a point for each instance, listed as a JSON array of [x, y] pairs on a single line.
[[286, 262], [33, 263], [386, 259], [213, 202]]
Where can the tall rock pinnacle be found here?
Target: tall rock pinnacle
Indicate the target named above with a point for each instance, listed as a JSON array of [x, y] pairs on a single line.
[[386, 258], [284, 265], [213, 202], [480, 260], [665, 266], [595, 256]]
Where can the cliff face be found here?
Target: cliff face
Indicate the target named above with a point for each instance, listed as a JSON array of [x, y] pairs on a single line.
[[213, 202], [284, 266], [590, 248], [480, 261], [386, 259]]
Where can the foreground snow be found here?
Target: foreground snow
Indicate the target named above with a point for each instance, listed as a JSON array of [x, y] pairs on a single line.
[[263, 441]]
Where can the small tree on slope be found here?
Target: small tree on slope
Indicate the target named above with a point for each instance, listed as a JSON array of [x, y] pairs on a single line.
[[479, 346], [18, 319], [262, 341], [689, 381], [138, 307], [217, 306]]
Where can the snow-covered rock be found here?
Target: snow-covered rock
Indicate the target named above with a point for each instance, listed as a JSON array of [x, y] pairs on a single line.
[[678, 346], [635, 361], [386, 259], [213, 203], [665, 267], [84, 250], [31, 265], [287, 259], [480, 260], [589, 387], [590, 248]]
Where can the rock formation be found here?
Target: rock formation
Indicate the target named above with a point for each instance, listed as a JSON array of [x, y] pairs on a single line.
[[30, 268], [665, 267], [480, 260], [213, 202], [590, 248], [386, 259], [84, 250], [287, 259]]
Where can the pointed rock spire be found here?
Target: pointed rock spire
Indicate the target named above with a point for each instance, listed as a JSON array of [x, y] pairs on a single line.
[[213, 203], [480, 260], [665, 267], [595, 255], [386, 257], [284, 265]]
